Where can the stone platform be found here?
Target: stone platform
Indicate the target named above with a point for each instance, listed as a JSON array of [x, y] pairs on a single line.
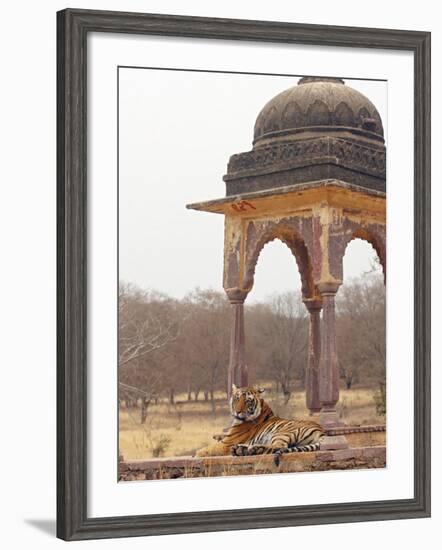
[[366, 450]]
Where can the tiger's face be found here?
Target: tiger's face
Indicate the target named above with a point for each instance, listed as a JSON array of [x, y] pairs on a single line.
[[245, 403]]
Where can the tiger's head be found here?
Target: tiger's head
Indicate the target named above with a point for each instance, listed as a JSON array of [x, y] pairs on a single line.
[[245, 403]]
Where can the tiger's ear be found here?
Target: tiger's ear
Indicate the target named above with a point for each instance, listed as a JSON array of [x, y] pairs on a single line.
[[261, 390], [234, 388]]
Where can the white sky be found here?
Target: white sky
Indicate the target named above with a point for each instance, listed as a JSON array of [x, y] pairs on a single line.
[[177, 132]]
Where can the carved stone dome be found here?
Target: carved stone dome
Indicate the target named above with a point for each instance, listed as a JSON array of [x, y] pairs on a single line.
[[317, 131], [318, 105]]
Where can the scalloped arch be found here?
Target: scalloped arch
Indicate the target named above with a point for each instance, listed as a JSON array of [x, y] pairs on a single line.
[[375, 241], [297, 247]]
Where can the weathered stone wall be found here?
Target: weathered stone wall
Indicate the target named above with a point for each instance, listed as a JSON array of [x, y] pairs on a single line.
[[189, 467]]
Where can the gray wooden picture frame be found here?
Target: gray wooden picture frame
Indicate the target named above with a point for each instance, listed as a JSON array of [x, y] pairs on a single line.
[[73, 27]]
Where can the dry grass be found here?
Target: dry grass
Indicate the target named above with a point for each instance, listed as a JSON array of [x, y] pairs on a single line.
[[176, 430]]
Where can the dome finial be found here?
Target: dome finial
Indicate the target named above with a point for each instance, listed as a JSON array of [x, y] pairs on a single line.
[[309, 79]]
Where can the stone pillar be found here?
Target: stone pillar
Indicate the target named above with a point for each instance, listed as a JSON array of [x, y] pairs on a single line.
[[238, 372], [328, 368], [314, 356]]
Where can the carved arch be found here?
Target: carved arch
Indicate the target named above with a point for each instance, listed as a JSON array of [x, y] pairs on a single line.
[[377, 241], [343, 115], [296, 245], [318, 114]]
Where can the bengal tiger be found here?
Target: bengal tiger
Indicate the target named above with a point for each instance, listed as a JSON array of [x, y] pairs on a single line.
[[256, 430]]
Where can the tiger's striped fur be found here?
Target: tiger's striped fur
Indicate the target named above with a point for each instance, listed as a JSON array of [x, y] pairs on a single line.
[[256, 430]]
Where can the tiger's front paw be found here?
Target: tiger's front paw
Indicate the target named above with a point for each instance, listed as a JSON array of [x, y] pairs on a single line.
[[240, 450]]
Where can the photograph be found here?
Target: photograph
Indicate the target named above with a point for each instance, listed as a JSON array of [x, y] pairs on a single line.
[[232, 351], [251, 273], [209, 344]]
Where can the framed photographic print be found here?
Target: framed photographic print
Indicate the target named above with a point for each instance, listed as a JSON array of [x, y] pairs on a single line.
[[233, 351]]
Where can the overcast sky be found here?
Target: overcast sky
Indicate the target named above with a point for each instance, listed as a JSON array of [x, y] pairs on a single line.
[[177, 132]]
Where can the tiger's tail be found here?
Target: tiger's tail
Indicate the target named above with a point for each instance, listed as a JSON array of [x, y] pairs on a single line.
[[295, 449]]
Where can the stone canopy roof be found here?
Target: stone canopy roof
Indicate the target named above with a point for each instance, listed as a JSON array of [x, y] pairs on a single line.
[[319, 129]]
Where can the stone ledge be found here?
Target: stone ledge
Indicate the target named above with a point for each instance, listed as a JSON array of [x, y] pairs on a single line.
[[188, 466], [346, 454], [343, 430], [312, 192], [333, 442]]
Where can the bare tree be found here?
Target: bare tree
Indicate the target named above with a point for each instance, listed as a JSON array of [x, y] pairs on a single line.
[[280, 338], [145, 323], [148, 323], [361, 329], [206, 334]]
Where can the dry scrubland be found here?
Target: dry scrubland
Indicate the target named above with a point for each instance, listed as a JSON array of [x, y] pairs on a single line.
[[180, 429]]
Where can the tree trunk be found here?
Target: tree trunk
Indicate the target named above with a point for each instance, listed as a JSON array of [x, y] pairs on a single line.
[[287, 396], [286, 392], [144, 406], [211, 394], [172, 396]]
